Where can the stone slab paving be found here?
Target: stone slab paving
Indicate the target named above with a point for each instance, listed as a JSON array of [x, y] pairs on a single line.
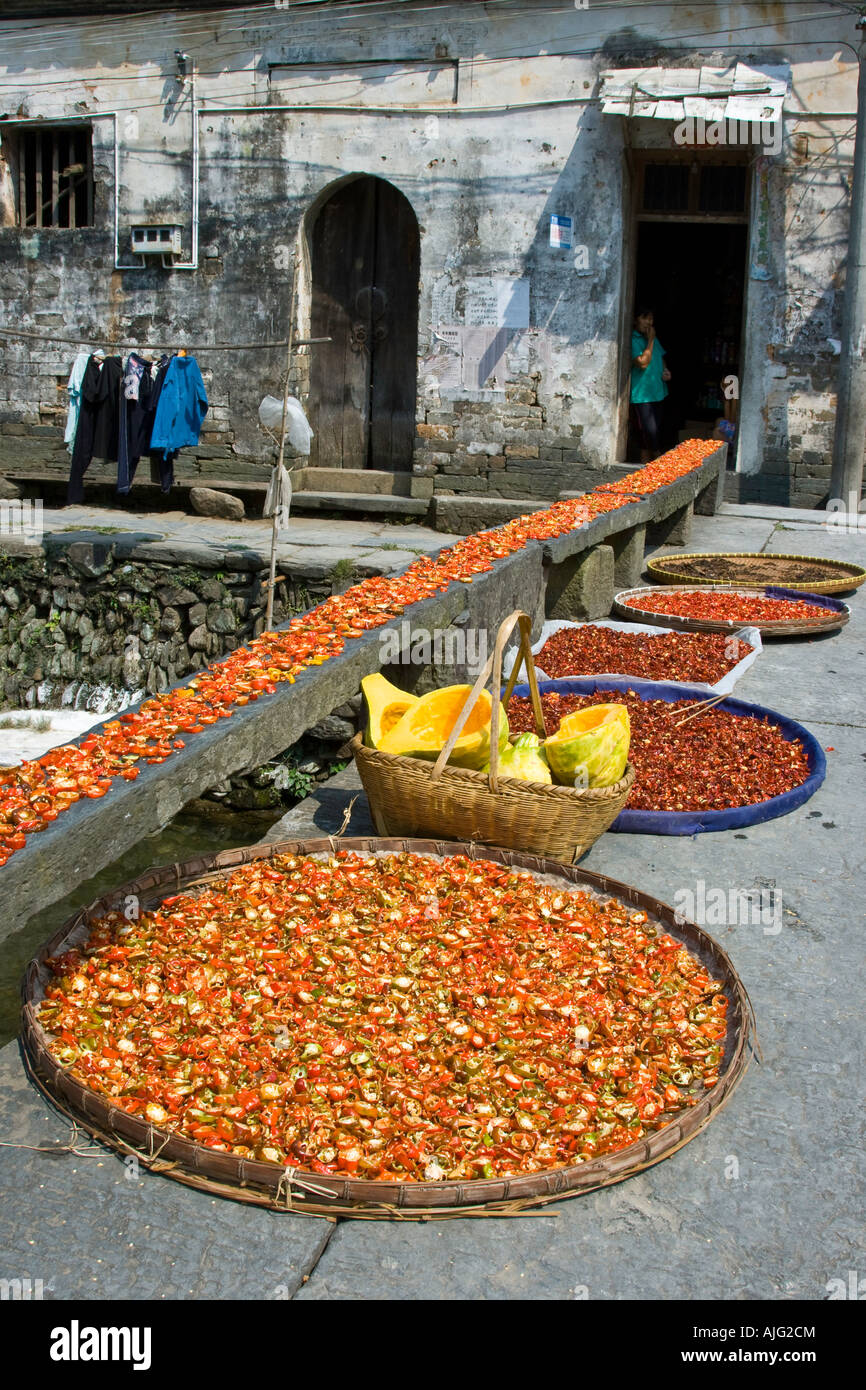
[[765, 1203], [306, 539], [89, 1226]]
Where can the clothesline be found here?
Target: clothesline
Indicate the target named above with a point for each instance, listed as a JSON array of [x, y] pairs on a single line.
[[119, 411], [163, 347]]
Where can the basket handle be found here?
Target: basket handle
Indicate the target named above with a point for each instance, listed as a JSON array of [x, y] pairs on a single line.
[[494, 664]]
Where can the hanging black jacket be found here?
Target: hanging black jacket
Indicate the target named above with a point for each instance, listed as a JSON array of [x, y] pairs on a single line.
[[136, 420], [106, 428], [98, 421]]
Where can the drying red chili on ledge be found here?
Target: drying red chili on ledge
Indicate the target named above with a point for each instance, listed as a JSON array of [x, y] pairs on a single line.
[[671, 656], [397, 1017], [712, 762], [718, 607], [35, 793]]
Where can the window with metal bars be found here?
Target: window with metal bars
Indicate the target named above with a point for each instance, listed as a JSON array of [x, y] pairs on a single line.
[[54, 169], [695, 188]]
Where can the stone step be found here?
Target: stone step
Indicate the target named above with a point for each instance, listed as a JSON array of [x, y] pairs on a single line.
[[367, 503], [353, 480], [464, 514]]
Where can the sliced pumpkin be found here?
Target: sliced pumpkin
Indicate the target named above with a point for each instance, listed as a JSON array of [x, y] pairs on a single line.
[[590, 747], [423, 731], [386, 705]]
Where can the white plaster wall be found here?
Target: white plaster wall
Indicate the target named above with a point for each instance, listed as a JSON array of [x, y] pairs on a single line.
[[483, 182]]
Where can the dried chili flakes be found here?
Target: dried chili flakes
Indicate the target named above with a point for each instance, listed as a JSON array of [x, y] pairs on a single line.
[[710, 762], [671, 656], [715, 606], [35, 793], [687, 456], [399, 1017]]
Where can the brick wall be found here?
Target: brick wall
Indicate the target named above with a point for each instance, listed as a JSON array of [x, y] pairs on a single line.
[[502, 445]]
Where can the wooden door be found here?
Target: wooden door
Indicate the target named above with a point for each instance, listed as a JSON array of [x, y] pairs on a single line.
[[365, 271]]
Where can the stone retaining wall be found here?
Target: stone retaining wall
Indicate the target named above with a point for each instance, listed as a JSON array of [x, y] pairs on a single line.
[[86, 626]]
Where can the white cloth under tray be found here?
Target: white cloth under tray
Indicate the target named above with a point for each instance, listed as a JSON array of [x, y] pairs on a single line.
[[724, 686]]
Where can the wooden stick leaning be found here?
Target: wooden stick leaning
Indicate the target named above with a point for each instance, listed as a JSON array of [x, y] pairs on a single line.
[[269, 615], [696, 709], [494, 664]]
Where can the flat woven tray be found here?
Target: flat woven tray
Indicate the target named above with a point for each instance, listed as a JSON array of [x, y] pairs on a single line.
[[632, 821], [270, 1185], [838, 613], [731, 568]]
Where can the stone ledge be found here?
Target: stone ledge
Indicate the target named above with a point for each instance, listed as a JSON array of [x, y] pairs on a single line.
[[353, 481], [462, 515], [368, 503]]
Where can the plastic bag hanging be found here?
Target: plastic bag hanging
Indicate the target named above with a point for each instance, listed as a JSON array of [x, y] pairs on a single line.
[[298, 432]]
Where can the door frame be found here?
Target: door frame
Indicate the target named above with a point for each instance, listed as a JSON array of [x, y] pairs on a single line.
[[635, 162], [304, 257]]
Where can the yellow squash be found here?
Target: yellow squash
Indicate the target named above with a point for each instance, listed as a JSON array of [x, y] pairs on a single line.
[[423, 731], [590, 747], [524, 760], [386, 705]]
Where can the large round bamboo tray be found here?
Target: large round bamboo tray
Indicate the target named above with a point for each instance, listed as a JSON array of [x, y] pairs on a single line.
[[753, 568], [270, 1185], [838, 613]]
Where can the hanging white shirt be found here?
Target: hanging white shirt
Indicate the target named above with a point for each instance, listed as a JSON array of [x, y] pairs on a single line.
[[73, 388]]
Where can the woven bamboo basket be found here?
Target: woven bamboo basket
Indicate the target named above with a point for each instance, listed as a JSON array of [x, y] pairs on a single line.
[[751, 567], [409, 796], [794, 627], [268, 1184]]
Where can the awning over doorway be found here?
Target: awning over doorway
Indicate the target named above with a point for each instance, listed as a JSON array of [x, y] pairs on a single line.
[[735, 93]]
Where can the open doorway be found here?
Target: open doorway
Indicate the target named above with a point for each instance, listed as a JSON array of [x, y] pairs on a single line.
[[690, 249], [365, 269]]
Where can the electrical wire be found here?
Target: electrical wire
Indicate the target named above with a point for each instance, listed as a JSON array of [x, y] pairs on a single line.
[[111, 342], [248, 96], [143, 26]]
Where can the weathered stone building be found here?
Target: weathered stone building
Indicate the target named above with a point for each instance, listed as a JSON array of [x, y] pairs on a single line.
[[473, 196]]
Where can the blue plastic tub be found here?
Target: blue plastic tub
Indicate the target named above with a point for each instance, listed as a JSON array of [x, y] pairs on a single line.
[[693, 822]]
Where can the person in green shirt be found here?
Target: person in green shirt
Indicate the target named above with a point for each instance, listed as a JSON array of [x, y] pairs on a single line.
[[649, 378]]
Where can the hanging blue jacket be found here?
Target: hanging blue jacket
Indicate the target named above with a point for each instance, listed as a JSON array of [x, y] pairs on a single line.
[[182, 407]]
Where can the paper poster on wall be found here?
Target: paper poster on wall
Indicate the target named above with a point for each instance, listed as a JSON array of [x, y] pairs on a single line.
[[560, 232], [482, 304], [497, 301], [443, 364], [484, 356], [444, 299]]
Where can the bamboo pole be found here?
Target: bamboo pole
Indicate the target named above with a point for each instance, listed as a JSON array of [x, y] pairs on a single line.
[[269, 617]]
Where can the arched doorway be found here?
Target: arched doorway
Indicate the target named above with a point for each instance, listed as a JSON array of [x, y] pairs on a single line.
[[365, 269]]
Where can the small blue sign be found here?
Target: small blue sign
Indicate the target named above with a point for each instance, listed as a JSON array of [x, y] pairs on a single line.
[[560, 232]]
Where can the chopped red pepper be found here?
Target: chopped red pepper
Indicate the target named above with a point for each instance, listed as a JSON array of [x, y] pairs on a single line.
[[555, 1027]]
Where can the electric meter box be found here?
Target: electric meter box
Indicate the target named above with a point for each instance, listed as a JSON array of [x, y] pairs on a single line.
[[163, 240]]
